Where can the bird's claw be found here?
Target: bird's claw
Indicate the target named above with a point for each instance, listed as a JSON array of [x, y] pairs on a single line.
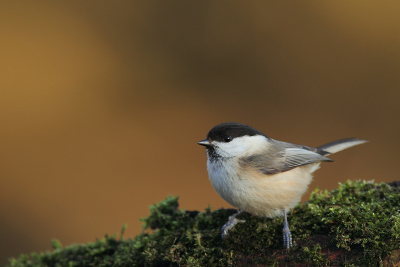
[[230, 224], [287, 238]]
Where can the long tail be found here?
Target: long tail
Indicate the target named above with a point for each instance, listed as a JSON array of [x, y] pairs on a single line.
[[339, 145]]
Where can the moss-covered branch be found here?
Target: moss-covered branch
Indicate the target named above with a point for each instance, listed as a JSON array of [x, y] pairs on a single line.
[[357, 224]]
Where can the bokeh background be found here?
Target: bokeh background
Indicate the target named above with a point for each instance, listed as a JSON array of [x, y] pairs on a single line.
[[102, 102]]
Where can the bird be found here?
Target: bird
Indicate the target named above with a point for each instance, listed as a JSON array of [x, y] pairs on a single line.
[[260, 175]]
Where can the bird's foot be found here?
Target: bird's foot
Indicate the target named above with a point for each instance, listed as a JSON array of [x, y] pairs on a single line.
[[287, 237], [230, 224]]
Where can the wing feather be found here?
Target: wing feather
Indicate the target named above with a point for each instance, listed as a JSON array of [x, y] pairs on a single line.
[[295, 157], [282, 157]]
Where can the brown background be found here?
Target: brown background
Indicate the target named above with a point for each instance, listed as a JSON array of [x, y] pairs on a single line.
[[102, 102]]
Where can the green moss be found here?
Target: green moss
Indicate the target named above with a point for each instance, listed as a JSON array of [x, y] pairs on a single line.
[[355, 225]]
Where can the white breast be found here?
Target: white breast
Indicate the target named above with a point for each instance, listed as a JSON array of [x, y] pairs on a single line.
[[224, 181], [256, 193]]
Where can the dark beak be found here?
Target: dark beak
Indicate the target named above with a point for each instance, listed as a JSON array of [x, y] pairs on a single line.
[[205, 143]]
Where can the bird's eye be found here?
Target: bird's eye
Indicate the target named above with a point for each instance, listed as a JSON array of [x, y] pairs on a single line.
[[227, 139]]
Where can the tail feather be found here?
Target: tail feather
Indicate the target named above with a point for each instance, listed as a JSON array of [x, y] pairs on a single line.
[[339, 145]]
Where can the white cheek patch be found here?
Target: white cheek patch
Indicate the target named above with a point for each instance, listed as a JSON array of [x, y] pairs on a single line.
[[242, 146]]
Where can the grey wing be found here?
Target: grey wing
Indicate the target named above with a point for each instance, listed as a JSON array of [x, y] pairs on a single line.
[[283, 159], [295, 157]]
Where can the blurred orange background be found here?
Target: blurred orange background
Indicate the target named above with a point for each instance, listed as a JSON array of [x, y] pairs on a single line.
[[102, 102]]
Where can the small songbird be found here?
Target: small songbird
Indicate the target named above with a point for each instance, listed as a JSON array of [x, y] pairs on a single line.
[[260, 175]]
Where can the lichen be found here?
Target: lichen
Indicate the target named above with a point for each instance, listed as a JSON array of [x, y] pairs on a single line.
[[355, 225]]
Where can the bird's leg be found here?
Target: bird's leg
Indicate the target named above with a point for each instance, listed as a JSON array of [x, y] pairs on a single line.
[[287, 236], [230, 224]]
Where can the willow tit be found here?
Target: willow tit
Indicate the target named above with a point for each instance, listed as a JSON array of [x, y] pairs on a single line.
[[260, 175]]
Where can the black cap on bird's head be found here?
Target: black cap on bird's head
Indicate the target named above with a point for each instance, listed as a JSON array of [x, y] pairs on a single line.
[[226, 132]]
